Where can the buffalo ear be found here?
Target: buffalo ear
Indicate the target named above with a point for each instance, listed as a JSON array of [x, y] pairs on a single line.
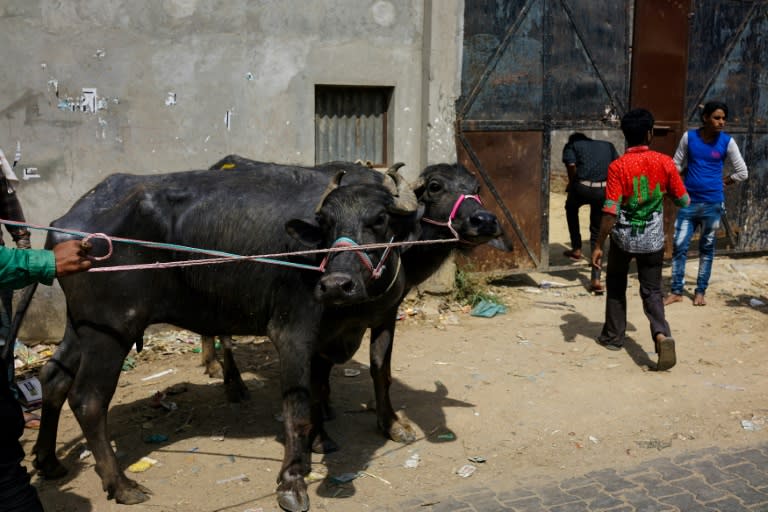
[[305, 232], [418, 187], [406, 227]]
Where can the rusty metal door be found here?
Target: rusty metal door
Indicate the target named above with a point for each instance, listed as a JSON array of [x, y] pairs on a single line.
[[659, 63], [531, 67], [728, 61], [687, 53]]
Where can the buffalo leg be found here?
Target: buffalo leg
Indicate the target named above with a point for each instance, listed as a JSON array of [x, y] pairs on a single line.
[[295, 381], [395, 428], [92, 390], [56, 380], [211, 363], [236, 389], [321, 407], [233, 381]]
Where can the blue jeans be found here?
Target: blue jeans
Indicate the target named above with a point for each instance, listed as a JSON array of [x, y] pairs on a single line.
[[705, 216]]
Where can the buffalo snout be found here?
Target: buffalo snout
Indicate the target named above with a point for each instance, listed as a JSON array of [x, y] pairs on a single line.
[[338, 288], [485, 223]]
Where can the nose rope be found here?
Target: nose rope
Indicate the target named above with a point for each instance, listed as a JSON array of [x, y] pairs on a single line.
[[362, 255], [456, 205]]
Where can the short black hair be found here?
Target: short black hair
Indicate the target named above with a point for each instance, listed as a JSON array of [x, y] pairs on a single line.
[[577, 136], [711, 106], [636, 124]]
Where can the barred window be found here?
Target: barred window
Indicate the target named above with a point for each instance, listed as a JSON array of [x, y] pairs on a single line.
[[351, 123]]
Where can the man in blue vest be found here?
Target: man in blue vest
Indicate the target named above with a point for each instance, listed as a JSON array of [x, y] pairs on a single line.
[[700, 157]]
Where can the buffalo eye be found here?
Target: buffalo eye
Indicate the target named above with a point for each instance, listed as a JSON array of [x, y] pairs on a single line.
[[380, 221], [434, 187]]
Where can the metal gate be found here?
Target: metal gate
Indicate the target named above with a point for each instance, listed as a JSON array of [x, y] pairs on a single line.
[[728, 61], [530, 67], [534, 66]]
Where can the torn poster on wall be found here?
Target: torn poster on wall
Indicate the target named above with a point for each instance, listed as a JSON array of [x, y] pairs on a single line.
[[88, 101], [30, 173]]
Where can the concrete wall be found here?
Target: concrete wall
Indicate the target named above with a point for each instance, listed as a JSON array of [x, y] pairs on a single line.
[[169, 74]]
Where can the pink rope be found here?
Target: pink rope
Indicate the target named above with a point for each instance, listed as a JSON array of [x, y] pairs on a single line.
[[449, 223], [233, 259], [205, 261]]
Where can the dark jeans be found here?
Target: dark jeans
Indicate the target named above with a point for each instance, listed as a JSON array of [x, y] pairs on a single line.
[[649, 275], [580, 195], [16, 493]]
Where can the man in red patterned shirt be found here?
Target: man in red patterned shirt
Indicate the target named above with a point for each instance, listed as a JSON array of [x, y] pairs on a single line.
[[634, 217]]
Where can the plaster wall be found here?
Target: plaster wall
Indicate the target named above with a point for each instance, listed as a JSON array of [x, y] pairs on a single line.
[[181, 83]]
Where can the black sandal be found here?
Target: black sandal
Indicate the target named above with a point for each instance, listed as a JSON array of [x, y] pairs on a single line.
[[665, 349]]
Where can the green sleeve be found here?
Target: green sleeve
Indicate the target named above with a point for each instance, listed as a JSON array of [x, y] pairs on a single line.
[[20, 267]]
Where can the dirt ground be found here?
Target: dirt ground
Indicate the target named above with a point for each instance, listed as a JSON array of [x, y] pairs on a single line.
[[530, 392]]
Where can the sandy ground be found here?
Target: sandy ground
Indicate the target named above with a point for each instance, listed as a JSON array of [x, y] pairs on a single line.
[[530, 392]]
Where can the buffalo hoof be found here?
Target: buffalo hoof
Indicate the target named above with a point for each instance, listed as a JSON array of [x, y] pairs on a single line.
[[50, 469], [214, 370], [293, 496], [324, 446], [402, 432], [237, 392], [131, 493]]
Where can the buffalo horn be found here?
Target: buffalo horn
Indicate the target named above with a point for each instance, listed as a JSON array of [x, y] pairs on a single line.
[[420, 183], [364, 163], [405, 199], [395, 167], [332, 185]]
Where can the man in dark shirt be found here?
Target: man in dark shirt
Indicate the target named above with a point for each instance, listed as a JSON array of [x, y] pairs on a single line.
[[587, 162], [10, 209]]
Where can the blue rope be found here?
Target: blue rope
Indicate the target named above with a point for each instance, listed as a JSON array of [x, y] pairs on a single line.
[[162, 245]]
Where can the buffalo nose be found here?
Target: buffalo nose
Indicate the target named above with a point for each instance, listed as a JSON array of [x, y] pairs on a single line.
[[484, 221], [336, 285]]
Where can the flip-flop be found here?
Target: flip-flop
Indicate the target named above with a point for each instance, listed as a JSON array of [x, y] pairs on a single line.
[[597, 290], [31, 421]]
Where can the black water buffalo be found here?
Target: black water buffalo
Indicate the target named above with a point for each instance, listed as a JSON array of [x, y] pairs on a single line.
[[452, 210], [304, 312]]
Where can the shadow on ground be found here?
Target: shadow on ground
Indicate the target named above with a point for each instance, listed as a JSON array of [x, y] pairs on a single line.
[[202, 411]]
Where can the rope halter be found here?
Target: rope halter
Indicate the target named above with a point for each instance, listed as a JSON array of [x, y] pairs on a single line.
[[362, 256], [457, 204]]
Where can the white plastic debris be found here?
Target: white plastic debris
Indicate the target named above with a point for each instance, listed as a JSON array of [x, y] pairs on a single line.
[[466, 471], [163, 373], [242, 477], [413, 461]]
